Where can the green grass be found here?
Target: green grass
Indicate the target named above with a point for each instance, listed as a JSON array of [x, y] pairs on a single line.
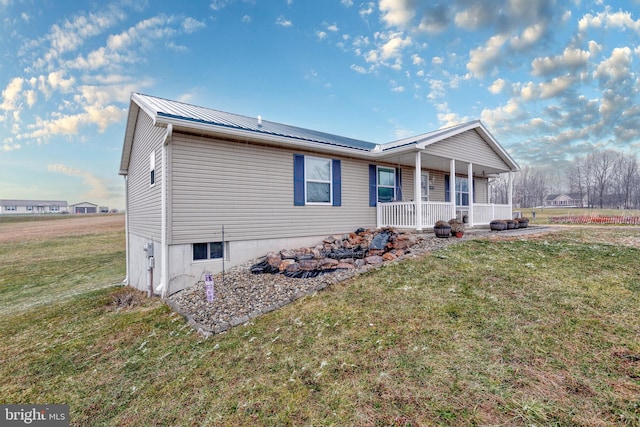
[[21, 218], [36, 272], [542, 331]]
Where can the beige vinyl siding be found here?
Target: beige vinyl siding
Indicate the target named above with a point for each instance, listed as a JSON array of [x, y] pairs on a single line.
[[468, 147], [144, 204], [249, 189], [481, 190]]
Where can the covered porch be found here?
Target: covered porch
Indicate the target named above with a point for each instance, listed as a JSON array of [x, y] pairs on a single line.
[[403, 214], [447, 175]]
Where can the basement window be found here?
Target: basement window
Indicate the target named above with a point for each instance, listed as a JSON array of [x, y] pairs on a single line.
[[211, 250]]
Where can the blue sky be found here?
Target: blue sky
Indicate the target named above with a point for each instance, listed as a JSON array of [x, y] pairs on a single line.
[[550, 79]]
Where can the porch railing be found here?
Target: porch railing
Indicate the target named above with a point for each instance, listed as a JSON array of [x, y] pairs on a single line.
[[403, 214]]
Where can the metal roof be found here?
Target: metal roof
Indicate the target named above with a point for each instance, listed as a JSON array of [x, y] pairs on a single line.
[[192, 118], [164, 108]]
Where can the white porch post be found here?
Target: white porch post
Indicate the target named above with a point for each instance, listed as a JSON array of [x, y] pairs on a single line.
[[470, 185], [510, 194], [417, 193], [452, 185]]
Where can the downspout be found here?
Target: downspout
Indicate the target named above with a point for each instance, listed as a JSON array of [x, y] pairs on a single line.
[[470, 184], [164, 267], [126, 228], [417, 194]]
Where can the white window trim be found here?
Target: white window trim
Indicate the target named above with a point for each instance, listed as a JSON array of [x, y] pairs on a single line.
[[225, 252], [330, 182], [378, 186]]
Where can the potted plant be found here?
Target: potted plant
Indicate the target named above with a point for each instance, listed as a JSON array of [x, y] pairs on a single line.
[[523, 222], [498, 225], [457, 228], [442, 229], [512, 224]]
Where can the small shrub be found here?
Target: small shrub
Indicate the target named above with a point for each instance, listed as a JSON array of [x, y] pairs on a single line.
[[127, 297]]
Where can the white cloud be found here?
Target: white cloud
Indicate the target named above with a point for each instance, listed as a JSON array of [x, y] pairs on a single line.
[[246, 19], [347, 3], [11, 94], [191, 25], [98, 189], [397, 13], [484, 58], [218, 4], [436, 60], [332, 27], [393, 47], [497, 86], [366, 9], [529, 37], [617, 67], [358, 69], [416, 59], [283, 22], [607, 19], [70, 124], [571, 59], [321, 35], [556, 86]]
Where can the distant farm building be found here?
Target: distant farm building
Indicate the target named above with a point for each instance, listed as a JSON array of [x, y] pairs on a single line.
[[21, 207], [564, 200], [83, 208]]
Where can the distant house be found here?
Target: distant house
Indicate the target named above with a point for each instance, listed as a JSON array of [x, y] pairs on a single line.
[[563, 200], [83, 208], [15, 207], [191, 172]]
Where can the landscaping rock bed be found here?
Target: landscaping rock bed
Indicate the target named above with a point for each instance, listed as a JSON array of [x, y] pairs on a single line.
[[243, 294]]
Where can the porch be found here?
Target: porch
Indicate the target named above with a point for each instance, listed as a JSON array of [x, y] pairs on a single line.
[[403, 214]]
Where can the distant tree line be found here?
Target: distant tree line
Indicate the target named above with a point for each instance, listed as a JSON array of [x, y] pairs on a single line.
[[602, 179]]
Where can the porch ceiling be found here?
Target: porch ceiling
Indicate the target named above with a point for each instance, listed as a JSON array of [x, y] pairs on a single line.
[[429, 161]]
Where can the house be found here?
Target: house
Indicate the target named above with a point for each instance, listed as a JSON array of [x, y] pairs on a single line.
[[563, 200], [15, 207], [207, 190], [83, 208]]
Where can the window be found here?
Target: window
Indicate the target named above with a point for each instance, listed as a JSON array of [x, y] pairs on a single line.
[[29, 208], [212, 250], [317, 180], [386, 184], [11, 208], [54, 208], [461, 188], [152, 168]]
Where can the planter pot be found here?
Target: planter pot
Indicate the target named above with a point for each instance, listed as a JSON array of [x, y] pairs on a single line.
[[442, 232], [458, 234], [512, 225], [523, 224], [497, 226]]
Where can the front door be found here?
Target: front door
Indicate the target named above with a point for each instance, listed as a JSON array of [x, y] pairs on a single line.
[[424, 186]]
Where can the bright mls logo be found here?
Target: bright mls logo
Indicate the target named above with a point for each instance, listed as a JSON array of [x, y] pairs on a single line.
[[34, 415]]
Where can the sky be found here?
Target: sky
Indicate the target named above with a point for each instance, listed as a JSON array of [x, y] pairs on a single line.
[[550, 79]]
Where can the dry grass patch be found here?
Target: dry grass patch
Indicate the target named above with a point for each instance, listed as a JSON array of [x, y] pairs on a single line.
[[509, 332]]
